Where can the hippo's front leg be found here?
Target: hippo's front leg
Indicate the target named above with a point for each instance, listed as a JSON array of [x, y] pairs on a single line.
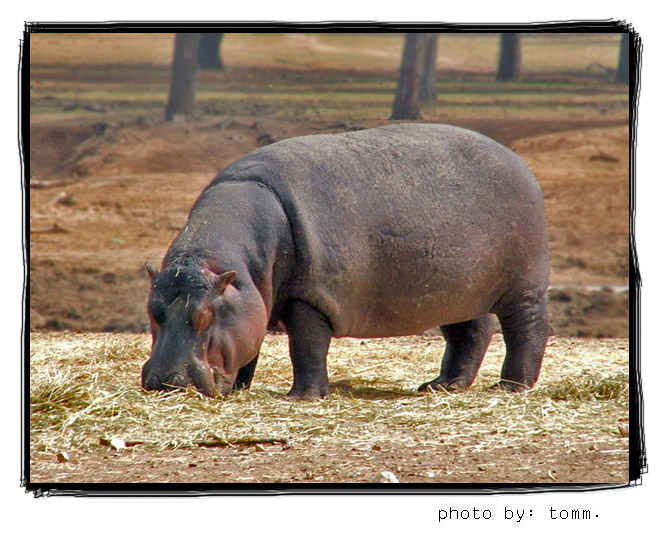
[[309, 335], [245, 375]]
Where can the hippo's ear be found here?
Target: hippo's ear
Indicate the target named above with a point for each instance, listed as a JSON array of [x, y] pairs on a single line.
[[152, 271], [222, 281]]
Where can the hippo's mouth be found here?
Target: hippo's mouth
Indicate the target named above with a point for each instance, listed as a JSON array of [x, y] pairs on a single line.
[[222, 382], [210, 381]]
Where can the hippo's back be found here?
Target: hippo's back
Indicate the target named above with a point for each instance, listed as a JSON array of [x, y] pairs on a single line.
[[405, 227]]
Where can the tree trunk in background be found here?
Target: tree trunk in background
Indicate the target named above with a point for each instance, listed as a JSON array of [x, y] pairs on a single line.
[[407, 97], [183, 77], [209, 56], [623, 71], [428, 91], [509, 63]]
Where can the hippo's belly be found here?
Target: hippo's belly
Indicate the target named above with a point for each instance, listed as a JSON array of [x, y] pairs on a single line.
[[400, 285]]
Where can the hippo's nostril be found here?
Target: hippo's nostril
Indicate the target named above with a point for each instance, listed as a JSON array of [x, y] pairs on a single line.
[[176, 380], [152, 382]]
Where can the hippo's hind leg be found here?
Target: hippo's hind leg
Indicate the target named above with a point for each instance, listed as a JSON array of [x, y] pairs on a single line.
[[526, 332], [245, 375], [466, 346], [309, 335]]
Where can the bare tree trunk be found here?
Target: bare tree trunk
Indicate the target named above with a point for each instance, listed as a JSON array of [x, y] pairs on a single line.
[[407, 96], [509, 62], [623, 71], [209, 56], [428, 91], [183, 77]]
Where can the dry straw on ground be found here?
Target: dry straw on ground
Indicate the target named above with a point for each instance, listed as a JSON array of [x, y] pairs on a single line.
[[84, 392]]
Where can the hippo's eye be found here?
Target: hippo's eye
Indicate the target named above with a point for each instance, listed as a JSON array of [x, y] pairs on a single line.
[[157, 313]]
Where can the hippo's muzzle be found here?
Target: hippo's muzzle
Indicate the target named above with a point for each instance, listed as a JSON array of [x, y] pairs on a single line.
[[195, 374]]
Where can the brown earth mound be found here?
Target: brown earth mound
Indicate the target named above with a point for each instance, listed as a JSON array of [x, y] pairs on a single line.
[[106, 197]]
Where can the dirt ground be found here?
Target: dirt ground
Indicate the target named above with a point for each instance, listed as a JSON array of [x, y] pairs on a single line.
[[343, 463]]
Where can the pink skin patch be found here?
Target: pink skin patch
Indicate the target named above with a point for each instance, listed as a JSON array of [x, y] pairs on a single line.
[[202, 317]]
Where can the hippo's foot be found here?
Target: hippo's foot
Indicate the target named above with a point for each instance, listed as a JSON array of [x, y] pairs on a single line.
[[310, 335], [526, 332], [466, 345], [445, 385], [312, 392], [510, 386]]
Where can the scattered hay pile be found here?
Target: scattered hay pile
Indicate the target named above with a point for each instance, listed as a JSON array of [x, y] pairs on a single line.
[[84, 391]]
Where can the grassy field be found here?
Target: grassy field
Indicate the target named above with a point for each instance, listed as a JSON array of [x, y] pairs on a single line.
[[345, 76]]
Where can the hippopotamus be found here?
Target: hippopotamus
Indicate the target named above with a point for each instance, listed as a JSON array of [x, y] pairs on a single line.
[[388, 231]]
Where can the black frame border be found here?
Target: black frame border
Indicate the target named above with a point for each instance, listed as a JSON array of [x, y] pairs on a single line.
[[637, 451]]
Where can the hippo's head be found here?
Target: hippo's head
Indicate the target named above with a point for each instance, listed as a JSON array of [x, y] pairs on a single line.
[[205, 327]]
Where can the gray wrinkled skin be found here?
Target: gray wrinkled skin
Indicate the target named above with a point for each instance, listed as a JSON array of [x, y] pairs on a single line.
[[406, 227]]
